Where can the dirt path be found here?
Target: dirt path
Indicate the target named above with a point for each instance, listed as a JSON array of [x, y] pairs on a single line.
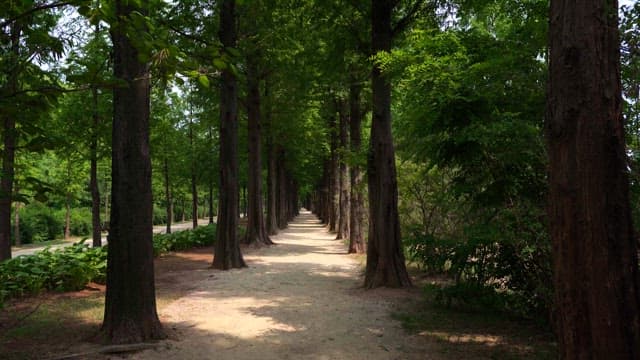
[[300, 299]]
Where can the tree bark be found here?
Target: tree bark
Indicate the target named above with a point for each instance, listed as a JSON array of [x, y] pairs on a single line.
[[227, 248], [345, 191], [67, 216], [385, 257], [595, 252], [194, 185], [16, 224], [334, 170], [130, 306], [272, 190], [356, 239], [282, 187], [272, 173], [67, 205], [9, 136], [167, 194], [256, 230], [96, 229], [211, 184]]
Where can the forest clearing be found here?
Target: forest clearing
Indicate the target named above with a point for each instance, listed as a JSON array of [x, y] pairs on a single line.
[[300, 299]]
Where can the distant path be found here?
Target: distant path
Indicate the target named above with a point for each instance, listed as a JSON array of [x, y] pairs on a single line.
[[157, 229], [300, 299]]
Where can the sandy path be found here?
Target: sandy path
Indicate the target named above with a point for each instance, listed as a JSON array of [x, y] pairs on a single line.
[[300, 299]]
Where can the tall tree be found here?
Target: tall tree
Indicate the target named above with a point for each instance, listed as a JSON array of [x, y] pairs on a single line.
[[356, 238], [256, 229], [595, 252], [343, 174], [227, 249], [130, 305], [385, 257]]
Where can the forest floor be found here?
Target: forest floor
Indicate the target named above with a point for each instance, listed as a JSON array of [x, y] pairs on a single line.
[[300, 299]]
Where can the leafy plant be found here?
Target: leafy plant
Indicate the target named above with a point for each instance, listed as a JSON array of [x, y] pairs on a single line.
[[66, 269]]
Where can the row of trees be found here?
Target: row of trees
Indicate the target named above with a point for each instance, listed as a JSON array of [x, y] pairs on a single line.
[[464, 80]]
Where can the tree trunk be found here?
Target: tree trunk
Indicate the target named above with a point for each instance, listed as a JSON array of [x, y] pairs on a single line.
[[67, 205], [227, 249], [385, 257], [9, 136], [282, 187], [334, 171], [211, 184], [96, 229], [167, 194], [595, 252], [194, 200], [256, 230], [356, 238], [130, 305], [67, 216], [16, 224], [194, 185], [345, 191], [271, 221]]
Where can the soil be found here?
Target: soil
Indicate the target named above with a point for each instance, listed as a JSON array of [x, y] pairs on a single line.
[[300, 299]]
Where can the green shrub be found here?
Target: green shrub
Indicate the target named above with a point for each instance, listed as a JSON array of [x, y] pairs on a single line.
[[66, 269], [39, 222], [72, 267], [81, 224], [182, 240], [159, 215]]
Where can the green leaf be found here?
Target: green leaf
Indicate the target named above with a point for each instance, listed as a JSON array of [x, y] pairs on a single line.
[[203, 80], [219, 64]]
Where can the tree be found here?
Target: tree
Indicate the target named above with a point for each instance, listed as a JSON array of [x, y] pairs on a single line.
[[130, 306], [595, 251], [356, 239], [343, 173], [227, 248], [25, 88], [385, 258], [256, 230]]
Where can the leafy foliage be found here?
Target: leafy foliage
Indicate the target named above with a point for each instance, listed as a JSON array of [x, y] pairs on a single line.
[[182, 240], [472, 177], [66, 269]]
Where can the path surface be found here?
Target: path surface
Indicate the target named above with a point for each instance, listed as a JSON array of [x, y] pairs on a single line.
[[157, 229], [300, 299]]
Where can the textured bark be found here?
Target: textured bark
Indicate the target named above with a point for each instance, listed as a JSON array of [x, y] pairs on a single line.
[[385, 257], [16, 223], [194, 180], [96, 232], [130, 305], [272, 191], [211, 184], [167, 194], [256, 230], [334, 179], [356, 237], [345, 185], [595, 253], [282, 200], [227, 249], [9, 136]]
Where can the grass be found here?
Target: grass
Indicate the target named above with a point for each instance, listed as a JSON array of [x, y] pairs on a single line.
[[477, 334], [34, 328]]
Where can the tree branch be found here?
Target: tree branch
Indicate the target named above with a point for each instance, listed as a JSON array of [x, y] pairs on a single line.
[[417, 8], [33, 10]]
